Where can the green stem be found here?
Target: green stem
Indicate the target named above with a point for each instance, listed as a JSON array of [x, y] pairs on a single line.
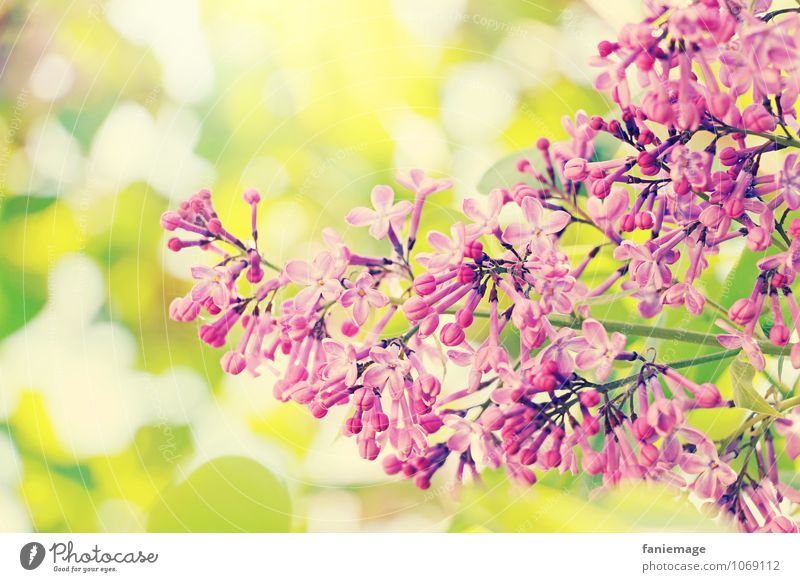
[[647, 331], [784, 141], [644, 331], [674, 365]]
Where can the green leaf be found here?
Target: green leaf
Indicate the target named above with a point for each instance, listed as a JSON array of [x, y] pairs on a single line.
[[744, 394], [742, 277], [17, 206], [227, 494]]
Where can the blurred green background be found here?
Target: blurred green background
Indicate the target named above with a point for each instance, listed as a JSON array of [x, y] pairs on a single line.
[[113, 418]]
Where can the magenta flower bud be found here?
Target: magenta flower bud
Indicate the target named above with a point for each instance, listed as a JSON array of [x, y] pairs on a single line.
[[349, 328], [779, 334], [528, 456], [422, 481], [590, 424], [251, 196], [214, 226], [452, 335], [368, 449], [648, 454], [409, 470], [645, 220], [742, 311], [465, 275], [593, 463], [794, 227], [183, 309], [551, 459], [474, 250], [415, 308], [576, 169], [353, 425], [170, 220], [645, 61], [424, 284], [233, 362], [464, 317], [707, 395], [642, 430], [645, 160], [211, 307], [428, 325], [758, 239], [719, 104], [380, 422], [734, 207], [493, 418], [589, 397], [392, 465], [757, 118], [601, 188], [729, 156], [174, 244], [544, 382], [430, 423], [681, 186], [523, 165], [779, 280], [627, 223], [212, 335], [605, 48]]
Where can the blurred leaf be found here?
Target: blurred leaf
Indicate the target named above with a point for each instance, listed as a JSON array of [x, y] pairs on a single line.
[[744, 394], [22, 296], [740, 280], [227, 494], [505, 506], [23, 206]]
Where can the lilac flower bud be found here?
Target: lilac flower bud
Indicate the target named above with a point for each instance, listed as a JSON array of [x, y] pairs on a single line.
[[233, 362], [576, 169], [170, 221], [452, 335], [742, 311], [425, 284], [415, 308], [757, 118]]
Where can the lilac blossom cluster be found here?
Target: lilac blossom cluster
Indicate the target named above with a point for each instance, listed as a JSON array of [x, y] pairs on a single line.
[[707, 93]]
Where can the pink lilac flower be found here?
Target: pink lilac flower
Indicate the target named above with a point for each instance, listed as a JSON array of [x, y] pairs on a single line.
[[340, 362], [212, 284], [483, 221], [319, 278], [448, 251], [387, 371], [362, 296], [601, 349], [383, 215], [607, 211], [789, 181], [713, 475], [538, 223], [736, 339], [690, 168]]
